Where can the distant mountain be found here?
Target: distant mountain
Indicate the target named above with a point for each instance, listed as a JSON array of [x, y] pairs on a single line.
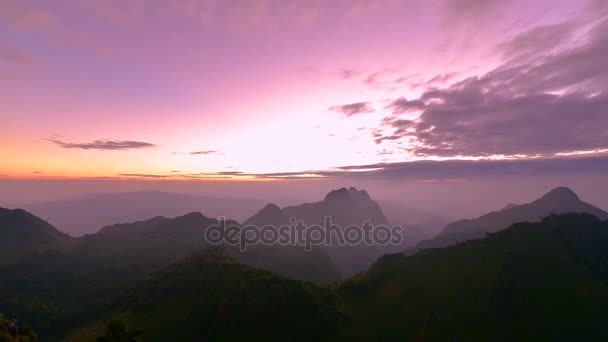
[[86, 215], [148, 244], [211, 297], [294, 261], [533, 281], [557, 201], [345, 207], [418, 224]]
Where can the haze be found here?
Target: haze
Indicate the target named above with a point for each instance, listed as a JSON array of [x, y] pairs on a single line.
[[452, 107]]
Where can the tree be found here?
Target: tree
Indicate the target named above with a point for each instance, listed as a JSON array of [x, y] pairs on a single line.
[[116, 331]]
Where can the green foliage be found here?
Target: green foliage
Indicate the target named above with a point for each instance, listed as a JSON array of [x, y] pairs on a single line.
[[22, 333], [532, 281], [117, 331], [209, 296]]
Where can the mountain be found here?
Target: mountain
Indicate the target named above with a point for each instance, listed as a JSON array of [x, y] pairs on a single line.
[[533, 281], [88, 214], [293, 261], [418, 225], [53, 280], [345, 207], [557, 201], [24, 233], [210, 297], [152, 243]]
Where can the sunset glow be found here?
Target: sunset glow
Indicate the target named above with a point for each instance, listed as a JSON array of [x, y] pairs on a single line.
[[134, 89]]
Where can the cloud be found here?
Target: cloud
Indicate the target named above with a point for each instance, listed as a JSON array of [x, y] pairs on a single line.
[[220, 173], [465, 20], [403, 105], [470, 12], [14, 55], [550, 103], [37, 172], [537, 40], [449, 170], [201, 175], [142, 175], [119, 145], [347, 74], [207, 152], [352, 108], [459, 170]]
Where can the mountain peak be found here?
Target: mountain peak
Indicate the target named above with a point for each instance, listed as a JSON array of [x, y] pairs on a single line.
[[350, 193], [270, 214], [271, 208], [338, 194], [561, 193]]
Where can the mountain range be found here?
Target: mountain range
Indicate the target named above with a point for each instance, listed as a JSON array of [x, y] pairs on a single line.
[[88, 214], [534, 271], [345, 207], [557, 201]]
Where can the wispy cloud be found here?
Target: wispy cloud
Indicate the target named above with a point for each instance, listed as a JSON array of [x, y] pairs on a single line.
[[205, 153], [142, 175], [118, 145], [352, 108]]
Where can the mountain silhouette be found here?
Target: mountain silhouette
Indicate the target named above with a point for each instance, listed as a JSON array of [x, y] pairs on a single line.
[[293, 261], [24, 233], [345, 207], [557, 201], [529, 282], [74, 274], [209, 296], [88, 214]]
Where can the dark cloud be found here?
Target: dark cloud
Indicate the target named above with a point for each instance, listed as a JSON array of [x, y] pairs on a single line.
[[352, 108], [119, 145], [451, 170], [424, 170], [457, 170], [402, 105], [552, 103], [537, 40], [37, 172], [207, 152]]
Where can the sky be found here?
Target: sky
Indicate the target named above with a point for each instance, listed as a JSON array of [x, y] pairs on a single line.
[[262, 90]]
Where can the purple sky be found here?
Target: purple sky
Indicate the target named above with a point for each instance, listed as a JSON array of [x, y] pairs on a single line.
[[266, 90]]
